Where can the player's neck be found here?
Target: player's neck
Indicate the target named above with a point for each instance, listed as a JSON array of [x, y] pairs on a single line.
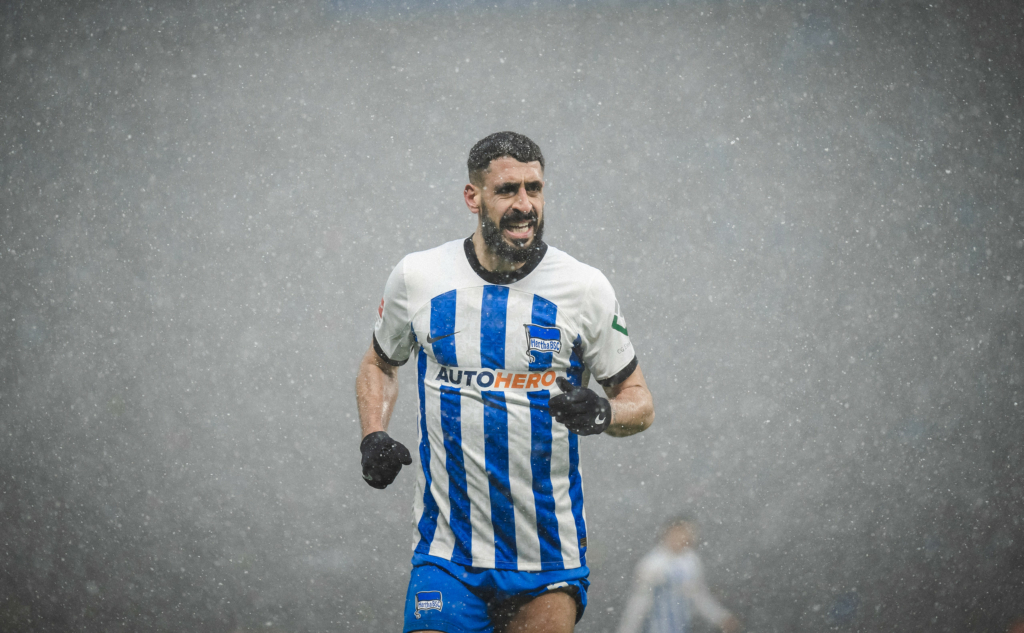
[[490, 260]]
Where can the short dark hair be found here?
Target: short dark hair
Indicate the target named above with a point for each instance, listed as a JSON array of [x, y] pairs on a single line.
[[501, 144], [679, 519]]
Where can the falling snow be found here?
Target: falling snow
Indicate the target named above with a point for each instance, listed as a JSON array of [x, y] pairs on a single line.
[[811, 213]]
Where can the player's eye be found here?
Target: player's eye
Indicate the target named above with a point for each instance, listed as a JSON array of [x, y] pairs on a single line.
[[534, 187]]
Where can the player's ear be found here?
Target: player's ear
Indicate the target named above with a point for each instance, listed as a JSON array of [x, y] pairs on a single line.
[[472, 195]]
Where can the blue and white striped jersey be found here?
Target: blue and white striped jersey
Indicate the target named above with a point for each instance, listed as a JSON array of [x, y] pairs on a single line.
[[500, 484], [669, 588]]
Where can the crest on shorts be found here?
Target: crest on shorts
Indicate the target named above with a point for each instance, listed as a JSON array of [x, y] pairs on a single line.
[[543, 339], [427, 600]]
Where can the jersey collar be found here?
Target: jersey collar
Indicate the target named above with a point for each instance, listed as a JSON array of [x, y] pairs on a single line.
[[502, 278]]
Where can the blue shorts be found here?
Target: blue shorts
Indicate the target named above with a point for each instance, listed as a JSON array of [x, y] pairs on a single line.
[[446, 596]]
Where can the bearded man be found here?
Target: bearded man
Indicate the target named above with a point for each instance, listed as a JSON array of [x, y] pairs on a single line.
[[505, 333]]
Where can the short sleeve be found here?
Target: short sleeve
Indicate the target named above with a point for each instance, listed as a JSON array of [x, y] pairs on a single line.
[[607, 351], [652, 570], [392, 334]]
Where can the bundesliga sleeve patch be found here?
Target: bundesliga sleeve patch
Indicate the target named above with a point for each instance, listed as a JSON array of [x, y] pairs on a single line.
[[619, 324], [543, 339], [427, 600]]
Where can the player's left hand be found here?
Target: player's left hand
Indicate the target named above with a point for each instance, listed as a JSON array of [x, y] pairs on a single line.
[[580, 409]]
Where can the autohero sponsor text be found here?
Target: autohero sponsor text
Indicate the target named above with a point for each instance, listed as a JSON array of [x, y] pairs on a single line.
[[486, 379]]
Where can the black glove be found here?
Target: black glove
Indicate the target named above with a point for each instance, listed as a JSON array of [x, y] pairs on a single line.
[[382, 459], [580, 409]]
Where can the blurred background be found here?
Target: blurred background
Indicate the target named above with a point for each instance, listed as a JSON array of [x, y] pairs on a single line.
[[811, 212]]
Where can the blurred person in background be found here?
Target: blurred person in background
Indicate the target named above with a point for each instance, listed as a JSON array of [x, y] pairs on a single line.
[[670, 587]]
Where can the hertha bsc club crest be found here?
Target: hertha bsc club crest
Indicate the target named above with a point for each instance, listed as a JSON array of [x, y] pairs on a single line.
[[543, 340], [427, 600]]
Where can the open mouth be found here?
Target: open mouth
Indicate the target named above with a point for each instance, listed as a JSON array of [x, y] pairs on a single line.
[[518, 228]]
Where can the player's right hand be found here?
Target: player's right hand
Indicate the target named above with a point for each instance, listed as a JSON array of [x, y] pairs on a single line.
[[383, 457]]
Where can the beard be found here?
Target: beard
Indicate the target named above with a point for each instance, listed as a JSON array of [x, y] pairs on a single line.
[[517, 251]]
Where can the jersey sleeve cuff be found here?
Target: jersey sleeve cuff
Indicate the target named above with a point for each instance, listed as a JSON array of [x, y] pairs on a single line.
[[611, 381], [384, 357]]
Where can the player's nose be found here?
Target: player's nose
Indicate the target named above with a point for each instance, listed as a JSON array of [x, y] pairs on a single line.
[[522, 201]]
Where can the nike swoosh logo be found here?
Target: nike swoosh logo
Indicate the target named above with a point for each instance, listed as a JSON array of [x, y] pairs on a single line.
[[435, 339]]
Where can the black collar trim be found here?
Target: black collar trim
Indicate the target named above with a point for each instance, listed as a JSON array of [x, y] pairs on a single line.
[[502, 278]]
